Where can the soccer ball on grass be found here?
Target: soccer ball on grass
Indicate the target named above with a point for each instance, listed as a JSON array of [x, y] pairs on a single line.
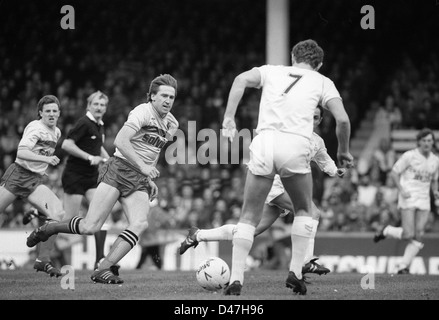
[[213, 274]]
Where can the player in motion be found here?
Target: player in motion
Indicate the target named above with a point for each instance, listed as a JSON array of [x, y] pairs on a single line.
[[290, 95], [414, 173], [24, 178], [278, 204], [127, 176]]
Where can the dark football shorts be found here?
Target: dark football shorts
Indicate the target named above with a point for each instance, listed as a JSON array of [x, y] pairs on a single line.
[[122, 176], [77, 183], [20, 181]]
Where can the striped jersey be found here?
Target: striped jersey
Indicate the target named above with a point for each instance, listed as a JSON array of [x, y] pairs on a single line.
[[41, 140], [152, 132], [289, 98]]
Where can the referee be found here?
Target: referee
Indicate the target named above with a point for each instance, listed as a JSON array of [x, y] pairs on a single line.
[[84, 144]]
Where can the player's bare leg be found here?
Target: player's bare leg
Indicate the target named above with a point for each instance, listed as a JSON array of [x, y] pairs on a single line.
[[255, 192], [136, 207], [46, 202], [416, 224]]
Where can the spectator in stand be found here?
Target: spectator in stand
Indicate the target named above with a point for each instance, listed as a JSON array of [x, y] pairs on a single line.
[[383, 159], [366, 190]]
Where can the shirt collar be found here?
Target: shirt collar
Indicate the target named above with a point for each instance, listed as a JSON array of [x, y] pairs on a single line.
[[90, 116]]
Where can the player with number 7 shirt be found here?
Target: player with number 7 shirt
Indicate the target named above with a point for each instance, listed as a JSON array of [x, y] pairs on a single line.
[[290, 95]]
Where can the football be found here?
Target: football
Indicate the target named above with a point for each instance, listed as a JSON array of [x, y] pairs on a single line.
[[213, 274]]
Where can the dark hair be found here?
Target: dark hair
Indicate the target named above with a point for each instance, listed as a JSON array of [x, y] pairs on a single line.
[[425, 132], [46, 100], [161, 80], [308, 51]]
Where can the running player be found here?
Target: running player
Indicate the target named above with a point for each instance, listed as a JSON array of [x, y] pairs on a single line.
[[24, 177], [290, 95], [126, 177], [415, 173], [278, 204]]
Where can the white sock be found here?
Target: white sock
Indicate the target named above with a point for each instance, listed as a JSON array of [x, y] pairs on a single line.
[[301, 231], [242, 244], [393, 232], [310, 249], [224, 232], [410, 253]]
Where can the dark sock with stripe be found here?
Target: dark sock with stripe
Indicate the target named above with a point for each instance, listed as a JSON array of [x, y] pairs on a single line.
[[66, 226], [121, 246], [100, 237]]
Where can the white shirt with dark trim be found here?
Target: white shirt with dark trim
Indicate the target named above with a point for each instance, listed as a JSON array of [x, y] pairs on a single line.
[[152, 132]]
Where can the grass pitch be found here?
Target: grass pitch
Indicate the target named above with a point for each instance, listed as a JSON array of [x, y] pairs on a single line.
[[182, 286]]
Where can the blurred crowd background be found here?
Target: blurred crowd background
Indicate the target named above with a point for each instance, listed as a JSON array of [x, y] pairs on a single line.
[[118, 47]]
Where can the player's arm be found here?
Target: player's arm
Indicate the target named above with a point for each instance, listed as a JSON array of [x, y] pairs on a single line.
[[72, 148], [247, 79], [396, 176], [123, 144], [25, 153], [326, 164], [434, 185], [342, 131]]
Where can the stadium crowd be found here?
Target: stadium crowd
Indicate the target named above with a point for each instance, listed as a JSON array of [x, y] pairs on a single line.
[[39, 58]]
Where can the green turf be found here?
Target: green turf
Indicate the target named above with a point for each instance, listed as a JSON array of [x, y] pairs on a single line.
[[259, 285]]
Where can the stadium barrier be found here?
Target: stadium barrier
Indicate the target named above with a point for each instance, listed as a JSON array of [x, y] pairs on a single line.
[[341, 252]]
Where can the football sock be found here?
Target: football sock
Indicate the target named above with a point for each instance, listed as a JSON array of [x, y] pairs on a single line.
[[100, 237], [393, 232], [301, 231], [410, 252], [66, 226], [224, 232], [242, 243], [121, 246], [310, 249]]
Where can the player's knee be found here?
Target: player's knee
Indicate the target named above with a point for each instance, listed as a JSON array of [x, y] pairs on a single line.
[[89, 228], [59, 215], [138, 226], [407, 234], [419, 234]]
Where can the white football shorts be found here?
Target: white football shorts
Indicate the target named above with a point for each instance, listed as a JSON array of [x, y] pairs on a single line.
[[274, 152]]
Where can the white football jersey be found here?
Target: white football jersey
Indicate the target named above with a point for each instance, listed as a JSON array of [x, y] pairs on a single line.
[[41, 140], [416, 173], [290, 96], [152, 132], [319, 154]]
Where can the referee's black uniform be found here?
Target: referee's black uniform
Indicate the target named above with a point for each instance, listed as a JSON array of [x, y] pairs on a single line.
[[79, 176]]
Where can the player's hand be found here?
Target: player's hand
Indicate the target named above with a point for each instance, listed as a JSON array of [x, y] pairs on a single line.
[[53, 160], [436, 194], [341, 172], [154, 190], [96, 160], [229, 128], [346, 160], [151, 172]]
